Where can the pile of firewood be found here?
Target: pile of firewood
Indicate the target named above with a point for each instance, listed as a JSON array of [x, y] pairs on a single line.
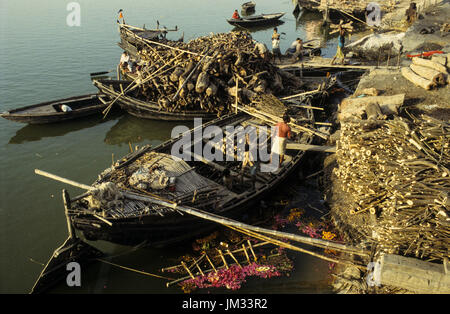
[[397, 179], [203, 73], [428, 74]]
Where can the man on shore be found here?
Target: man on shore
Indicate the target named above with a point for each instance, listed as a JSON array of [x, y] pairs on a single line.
[[276, 44], [341, 43], [298, 53]]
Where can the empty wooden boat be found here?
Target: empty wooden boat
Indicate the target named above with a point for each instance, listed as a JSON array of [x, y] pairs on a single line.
[[257, 20], [51, 111]]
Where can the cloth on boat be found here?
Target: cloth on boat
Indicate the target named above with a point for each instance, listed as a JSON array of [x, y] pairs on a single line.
[[279, 145], [65, 108], [144, 179], [339, 53], [105, 195]]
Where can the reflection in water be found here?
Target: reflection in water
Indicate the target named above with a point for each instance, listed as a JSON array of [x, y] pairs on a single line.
[[36, 132], [130, 129]]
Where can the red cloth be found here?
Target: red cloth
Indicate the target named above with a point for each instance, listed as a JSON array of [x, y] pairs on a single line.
[[235, 15], [283, 129]]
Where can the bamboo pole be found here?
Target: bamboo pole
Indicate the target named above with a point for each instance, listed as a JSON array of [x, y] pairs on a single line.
[[246, 254], [234, 258], [219, 219], [223, 258], [211, 263], [187, 269], [66, 200], [301, 94], [251, 250]]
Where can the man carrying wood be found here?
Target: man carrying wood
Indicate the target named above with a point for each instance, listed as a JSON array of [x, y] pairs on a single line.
[[341, 43], [282, 132], [411, 13]]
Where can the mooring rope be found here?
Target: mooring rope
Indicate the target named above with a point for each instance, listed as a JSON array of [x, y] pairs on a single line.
[[134, 270]]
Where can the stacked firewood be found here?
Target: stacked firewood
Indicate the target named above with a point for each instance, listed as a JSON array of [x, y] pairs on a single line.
[[396, 174], [427, 74], [203, 73]]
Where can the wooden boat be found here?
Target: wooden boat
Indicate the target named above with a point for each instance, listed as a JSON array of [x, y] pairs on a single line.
[[199, 183], [257, 20], [133, 39], [144, 108], [49, 112], [248, 6]]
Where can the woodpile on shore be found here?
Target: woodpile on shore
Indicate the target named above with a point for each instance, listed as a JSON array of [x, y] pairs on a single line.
[[204, 73], [396, 177], [428, 74]]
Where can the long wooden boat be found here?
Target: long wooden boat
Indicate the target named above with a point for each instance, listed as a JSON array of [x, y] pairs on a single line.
[[144, 108], [257, 20], [131, 220], [49, 112]]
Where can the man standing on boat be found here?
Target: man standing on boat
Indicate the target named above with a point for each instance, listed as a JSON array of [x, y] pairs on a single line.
[[282, 132], [236, 15], [121, 16]]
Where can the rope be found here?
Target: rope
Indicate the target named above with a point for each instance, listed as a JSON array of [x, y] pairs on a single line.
[[134, 270]]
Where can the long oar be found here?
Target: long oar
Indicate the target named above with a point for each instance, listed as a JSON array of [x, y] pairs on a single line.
[[216, 218]]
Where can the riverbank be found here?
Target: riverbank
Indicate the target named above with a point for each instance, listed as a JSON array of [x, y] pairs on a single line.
[[388, 183]]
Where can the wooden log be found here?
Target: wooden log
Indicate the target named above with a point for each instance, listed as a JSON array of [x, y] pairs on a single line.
[[433, 75], [175, 76], [202, 82], [429, 64], [416, 79], [211, 90], [413, 274], [355, 107], [441, 59]]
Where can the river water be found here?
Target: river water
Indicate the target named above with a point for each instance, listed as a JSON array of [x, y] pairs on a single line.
[[42, 58]]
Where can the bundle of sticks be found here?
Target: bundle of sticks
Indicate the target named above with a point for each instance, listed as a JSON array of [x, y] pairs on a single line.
[[203, 73], [397, 176]]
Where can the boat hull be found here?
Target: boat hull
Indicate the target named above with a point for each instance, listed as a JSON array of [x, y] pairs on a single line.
[[89, 105], [147, 109], [174, 228], [255, 21]]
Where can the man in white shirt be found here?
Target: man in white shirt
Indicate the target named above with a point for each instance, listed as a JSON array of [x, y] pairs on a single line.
[[124, 58]]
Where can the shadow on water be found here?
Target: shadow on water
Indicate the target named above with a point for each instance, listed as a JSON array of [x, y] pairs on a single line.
[[130, 129], [36, 132], [254, 29]]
